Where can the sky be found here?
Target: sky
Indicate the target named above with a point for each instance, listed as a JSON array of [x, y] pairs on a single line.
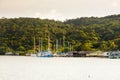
[[58, 9]]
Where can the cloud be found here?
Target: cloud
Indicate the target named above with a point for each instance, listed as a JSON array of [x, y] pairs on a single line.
[[115, 4], [52, 14], [58, 9]]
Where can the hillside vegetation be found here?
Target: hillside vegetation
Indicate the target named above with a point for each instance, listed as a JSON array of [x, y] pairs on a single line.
[[85, 33]]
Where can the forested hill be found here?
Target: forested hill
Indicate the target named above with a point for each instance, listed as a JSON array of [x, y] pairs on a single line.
[[86, 21], [86, 33]]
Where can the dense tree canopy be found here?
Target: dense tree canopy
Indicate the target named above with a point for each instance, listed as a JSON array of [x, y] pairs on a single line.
[[86, 33]]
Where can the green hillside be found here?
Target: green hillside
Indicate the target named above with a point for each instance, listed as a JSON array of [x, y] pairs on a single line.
[[86, 33]]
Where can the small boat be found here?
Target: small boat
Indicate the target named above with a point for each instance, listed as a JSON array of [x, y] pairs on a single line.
[[114, 55], [47, 53], [33, 55]]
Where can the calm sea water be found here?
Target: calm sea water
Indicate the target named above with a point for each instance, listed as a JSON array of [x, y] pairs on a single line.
[[34, 68]]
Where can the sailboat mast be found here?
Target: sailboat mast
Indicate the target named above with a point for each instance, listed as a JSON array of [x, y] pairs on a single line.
[[57, 45], [41, 44], [70, 47], [34, 44], [48, 42], [34, 39], [63, 42]]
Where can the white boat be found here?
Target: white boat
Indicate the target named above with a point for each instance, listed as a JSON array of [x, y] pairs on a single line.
[[33, 55], [47, 53]]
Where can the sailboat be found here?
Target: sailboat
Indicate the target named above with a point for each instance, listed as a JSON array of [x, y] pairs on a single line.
[[33, 53], [56, 49], [58, 53], [46, 53]]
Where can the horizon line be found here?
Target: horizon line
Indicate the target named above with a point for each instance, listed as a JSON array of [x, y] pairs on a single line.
[[3, 17]]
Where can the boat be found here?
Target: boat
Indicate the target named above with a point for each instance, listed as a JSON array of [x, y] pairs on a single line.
[[33, 55], [47, 53], [114, 55]]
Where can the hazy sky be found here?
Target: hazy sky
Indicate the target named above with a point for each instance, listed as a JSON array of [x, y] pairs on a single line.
[[58, 9]]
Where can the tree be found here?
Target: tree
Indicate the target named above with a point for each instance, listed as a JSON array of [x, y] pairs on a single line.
[[112, 45], [86, 33], [21, 48], [87, 46], [104, 46]]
